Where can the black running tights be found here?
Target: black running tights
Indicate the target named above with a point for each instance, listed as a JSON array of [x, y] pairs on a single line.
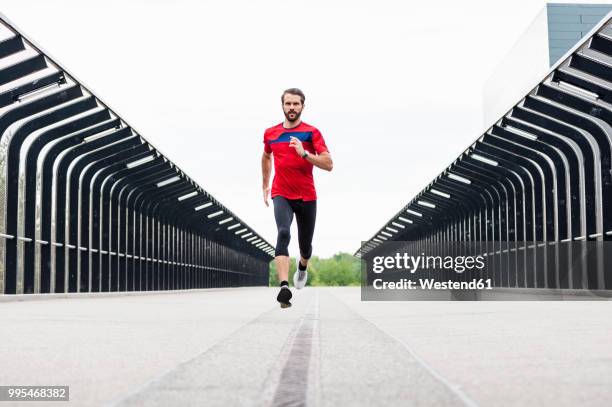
[[305, 215]]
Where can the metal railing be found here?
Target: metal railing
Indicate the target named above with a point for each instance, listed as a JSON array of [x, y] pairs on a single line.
[[88, 205], [541, 176]]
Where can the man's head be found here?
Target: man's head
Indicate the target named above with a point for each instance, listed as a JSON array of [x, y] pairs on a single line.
[[293, 103]]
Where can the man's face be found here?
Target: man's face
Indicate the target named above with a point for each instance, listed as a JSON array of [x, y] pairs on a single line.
[[292, 107]]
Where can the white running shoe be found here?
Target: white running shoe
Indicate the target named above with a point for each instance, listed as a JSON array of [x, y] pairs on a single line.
[[300, 277]]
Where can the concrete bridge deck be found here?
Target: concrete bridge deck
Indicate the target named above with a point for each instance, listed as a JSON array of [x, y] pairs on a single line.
[[228, 347]]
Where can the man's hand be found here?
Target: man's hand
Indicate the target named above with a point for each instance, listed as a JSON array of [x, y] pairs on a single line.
[[266, 194], [297, 144]]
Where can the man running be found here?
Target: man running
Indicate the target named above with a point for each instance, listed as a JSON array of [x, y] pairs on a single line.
[[296, 147]]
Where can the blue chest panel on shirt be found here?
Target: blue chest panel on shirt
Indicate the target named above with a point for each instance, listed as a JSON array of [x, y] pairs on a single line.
[[303, 136]]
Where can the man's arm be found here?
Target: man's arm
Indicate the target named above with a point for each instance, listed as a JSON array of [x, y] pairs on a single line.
[[323, 160], [266, 170]]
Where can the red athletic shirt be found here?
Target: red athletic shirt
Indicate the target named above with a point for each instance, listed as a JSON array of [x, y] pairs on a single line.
[[292, 173]]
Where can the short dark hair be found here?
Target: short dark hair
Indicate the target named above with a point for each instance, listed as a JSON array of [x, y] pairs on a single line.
[[293, 91]]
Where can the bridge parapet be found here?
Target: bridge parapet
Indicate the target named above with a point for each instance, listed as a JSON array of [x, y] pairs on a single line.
[[88, 205]]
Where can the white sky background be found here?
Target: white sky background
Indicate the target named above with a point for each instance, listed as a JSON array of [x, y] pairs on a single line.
[[394, 86]]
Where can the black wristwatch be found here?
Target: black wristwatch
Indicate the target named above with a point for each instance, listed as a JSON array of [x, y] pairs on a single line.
[[305, 154]]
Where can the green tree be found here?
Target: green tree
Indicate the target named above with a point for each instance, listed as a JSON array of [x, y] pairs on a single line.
[[342, 269]]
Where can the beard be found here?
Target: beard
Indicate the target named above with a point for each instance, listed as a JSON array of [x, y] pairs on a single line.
[[292, 116]]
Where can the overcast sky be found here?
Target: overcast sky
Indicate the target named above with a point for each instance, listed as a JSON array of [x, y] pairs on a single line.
[[394, 86]]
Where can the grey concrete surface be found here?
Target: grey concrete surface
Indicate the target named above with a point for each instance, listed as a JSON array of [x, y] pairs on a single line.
[[506, 353], [103, 347], [233, 372], [236, 347]]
